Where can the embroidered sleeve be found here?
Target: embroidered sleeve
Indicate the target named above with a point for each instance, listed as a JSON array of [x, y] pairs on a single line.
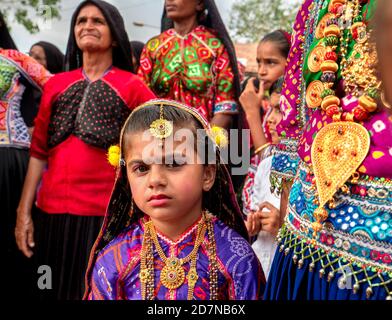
[[105, 276], [34, 72], [146, 63], [225, 101]]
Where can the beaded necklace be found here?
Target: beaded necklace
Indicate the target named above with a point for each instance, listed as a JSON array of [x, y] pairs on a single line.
[[173, 274]]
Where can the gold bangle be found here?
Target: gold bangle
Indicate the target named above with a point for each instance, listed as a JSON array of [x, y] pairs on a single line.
[[259, 149], [384, 101]]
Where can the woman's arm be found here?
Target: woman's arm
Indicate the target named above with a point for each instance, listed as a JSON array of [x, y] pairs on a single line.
[[24, 230]]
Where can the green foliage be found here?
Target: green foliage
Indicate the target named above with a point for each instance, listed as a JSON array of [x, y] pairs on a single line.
[[29, 12], [252, 19]]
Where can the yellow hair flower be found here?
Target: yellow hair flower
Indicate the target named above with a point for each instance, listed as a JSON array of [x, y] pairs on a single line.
[[114, 155], [219, 136]]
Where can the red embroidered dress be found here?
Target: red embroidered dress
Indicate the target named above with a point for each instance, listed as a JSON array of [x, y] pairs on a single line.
[[194, 69], [77, 121]]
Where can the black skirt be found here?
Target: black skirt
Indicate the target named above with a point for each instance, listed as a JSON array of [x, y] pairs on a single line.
[[63, 245], [16, 270]]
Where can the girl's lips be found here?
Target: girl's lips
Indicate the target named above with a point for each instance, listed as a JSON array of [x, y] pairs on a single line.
[[159, 200]]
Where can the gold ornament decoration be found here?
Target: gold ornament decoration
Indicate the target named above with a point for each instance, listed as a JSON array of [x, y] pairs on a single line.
[[337, 151], [316, 58], [321, 25], [313, 94], [172, 274], [161, 128]]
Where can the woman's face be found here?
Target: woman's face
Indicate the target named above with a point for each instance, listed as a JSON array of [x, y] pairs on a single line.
[[38, 53], [92, 31], [271, 63], [179, 10], [274, 117]]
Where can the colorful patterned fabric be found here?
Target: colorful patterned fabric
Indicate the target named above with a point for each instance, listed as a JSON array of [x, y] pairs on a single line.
[[14, 66], [116, 271], [353, 250], [194, 69]]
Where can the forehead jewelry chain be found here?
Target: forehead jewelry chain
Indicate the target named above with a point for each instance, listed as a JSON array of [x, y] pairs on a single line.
[[161, 128]]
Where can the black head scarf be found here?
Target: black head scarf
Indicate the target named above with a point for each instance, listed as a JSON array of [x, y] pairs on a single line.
[[213, 20], [137, 48], [54, 57], [6, 41], [122, 53]]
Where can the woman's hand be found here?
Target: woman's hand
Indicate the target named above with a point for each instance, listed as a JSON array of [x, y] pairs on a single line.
[[252, 224], [269, 219], [24, 232], [251, 98]]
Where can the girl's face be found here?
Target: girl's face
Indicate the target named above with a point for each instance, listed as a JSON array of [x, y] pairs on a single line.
[[179, 10], [274, 117], [38, 53], [271, 63], [163, 188], [91, 30]]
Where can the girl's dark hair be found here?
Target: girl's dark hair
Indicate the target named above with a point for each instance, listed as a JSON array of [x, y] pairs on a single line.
[[6, 41], [277, 86], [281, 38]]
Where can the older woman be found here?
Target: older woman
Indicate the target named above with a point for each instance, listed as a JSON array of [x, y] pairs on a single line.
[[193, 60], [19, 74], [80, 116]]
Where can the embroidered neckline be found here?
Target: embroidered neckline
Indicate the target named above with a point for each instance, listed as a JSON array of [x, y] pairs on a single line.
[[191, 229]]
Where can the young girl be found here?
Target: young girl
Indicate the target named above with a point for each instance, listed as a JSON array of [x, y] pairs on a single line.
[[266, 218], [271, 58], [173, 229]]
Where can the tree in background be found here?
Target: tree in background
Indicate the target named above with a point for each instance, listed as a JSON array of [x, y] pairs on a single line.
[[30, 13], [250, 20]]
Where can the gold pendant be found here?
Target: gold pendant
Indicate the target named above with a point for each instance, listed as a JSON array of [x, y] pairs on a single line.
[[192, 277], [172, 274], [337, 151], [161, 128]]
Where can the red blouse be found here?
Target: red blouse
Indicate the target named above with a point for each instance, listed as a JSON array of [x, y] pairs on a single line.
[[77, 121]]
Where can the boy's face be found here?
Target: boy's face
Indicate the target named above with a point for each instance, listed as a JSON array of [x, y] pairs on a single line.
[[274, 117], [167, 182]]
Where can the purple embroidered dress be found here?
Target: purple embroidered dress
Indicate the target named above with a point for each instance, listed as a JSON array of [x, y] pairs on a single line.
[[116, 272]]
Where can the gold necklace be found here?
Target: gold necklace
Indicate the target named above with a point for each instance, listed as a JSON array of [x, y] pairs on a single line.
[[173, 274]]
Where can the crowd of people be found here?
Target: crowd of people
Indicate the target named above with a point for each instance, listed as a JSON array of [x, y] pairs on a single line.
[[112, 166]]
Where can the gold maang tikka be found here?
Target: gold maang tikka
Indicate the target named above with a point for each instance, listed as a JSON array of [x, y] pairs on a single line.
[[161, 128]]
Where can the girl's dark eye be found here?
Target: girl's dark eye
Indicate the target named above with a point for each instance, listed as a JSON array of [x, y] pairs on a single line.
[[140, 168]]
